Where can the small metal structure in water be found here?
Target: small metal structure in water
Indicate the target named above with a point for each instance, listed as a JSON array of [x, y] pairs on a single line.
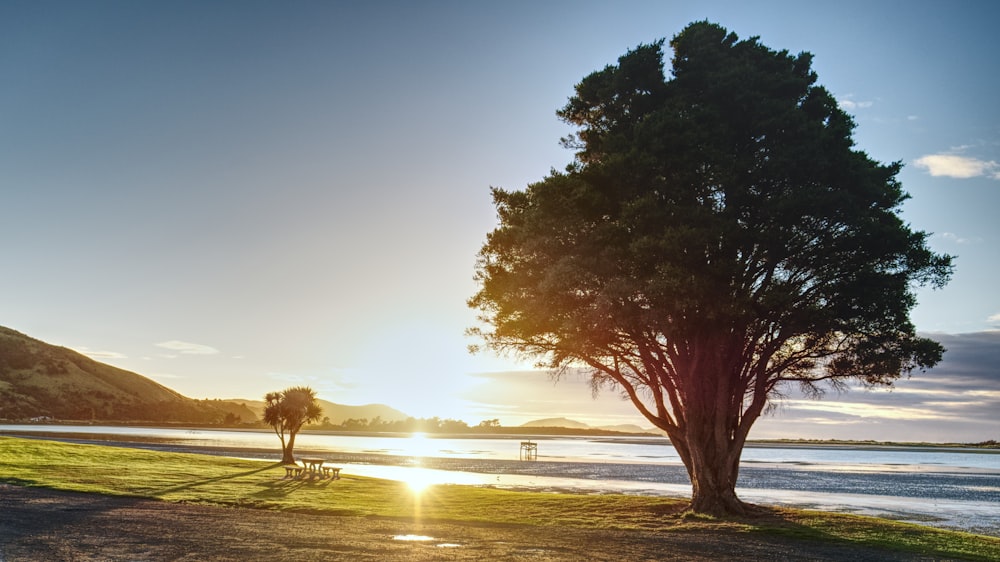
[[529, 451]]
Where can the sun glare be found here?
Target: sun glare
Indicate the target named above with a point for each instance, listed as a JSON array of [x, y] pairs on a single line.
[[419, 479], [418, 445]]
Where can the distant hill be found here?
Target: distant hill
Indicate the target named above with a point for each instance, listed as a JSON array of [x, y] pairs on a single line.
[[556, 422], [234, 412], [628, 428], [39, 380], [337, 413], [573, 424]]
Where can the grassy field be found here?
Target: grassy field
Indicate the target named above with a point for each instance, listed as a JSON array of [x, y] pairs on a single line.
[[206, 479]]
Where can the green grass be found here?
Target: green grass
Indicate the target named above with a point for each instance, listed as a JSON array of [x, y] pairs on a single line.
[[179, 477]]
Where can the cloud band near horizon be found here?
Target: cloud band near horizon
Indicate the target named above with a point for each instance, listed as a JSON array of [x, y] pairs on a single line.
[[188, 348]]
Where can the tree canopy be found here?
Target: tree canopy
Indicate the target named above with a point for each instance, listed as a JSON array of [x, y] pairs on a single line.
[[717, 237], [287, 411]]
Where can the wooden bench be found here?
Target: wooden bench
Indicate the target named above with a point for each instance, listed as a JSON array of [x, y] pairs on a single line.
[[331, 472], [292, 470]]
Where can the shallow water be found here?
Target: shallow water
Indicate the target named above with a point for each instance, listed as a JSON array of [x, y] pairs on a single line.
[[572, 449], [953, 488]]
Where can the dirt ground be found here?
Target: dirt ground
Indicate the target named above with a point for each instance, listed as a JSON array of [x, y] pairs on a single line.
[[39, 524]]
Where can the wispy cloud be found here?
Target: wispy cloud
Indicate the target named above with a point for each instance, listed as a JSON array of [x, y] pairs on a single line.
[[850, 104], [995, 319], [958, 166], [866, 409], [188, 348], [956, 239], [99, 355], [992, 394]]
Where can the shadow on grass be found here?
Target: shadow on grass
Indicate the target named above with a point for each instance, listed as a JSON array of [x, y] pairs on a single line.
[[191, 485], [285, 486], [884, 542], [314, 489], [19, 482]]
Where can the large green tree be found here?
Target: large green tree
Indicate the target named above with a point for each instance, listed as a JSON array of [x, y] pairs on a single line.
[[287, 411], [717, 238]]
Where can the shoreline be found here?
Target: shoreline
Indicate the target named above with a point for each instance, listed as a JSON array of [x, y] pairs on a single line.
[[542, 433], [796, 487]]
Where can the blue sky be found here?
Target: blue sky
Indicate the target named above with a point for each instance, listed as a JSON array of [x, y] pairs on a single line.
[[233, 197]]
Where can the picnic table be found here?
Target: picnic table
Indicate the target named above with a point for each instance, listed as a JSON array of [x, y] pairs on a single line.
[[311, 467], [313, 464]]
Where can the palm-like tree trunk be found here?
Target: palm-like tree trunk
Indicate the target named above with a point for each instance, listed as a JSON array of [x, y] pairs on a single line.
[[287, 457]]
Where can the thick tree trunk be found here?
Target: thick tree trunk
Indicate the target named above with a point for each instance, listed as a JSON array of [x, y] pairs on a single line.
[[710, 440], [712, 460], [713, 488]]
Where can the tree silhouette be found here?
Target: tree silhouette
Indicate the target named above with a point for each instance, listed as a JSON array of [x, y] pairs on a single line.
[[287, 411], [717, 238]]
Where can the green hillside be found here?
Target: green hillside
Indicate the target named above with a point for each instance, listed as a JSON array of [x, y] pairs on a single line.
[[39, 380]]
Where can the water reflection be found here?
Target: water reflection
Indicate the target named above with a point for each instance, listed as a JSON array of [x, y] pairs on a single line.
[[419, 538]]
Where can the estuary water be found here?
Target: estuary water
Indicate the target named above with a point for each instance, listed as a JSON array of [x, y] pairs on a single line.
[[945, 487]]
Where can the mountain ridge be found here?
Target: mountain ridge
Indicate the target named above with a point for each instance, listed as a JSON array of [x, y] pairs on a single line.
[[42, 381]]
